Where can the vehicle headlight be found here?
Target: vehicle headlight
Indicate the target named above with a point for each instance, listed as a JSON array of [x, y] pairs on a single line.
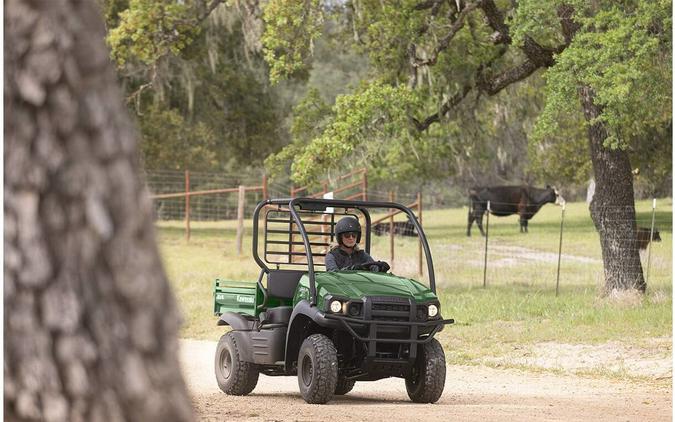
[[433, 310], [336, 306]]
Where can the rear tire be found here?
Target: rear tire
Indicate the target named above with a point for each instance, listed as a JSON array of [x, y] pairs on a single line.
[[235, 376], [427, 381], [317, 369], [344, 386]]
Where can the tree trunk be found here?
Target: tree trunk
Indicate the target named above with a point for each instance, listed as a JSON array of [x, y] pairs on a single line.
[[90, 322], [613, 205]]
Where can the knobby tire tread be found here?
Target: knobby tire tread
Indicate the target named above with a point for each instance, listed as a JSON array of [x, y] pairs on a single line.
[[245, 376], [344, 386], [430, 389], [325, 369]]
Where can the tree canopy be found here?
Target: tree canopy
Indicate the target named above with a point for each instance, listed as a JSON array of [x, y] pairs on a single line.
[[482, 90], [197, 83], [461, 87], [434, 59]]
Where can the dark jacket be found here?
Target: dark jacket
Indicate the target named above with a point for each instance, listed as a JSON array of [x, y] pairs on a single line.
[[337, 259]]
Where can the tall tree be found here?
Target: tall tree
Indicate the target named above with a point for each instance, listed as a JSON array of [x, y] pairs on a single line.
[[195, 78], [90, 322], [609, 60]]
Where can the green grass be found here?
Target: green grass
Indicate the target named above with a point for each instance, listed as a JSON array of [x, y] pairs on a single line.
[[518, 307]]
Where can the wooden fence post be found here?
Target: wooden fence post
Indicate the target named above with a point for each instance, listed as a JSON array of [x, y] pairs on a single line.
[[487, 237], [265, 192], [364, 186], [391, 231], [557, 278], [187, 205], [651, 236], [419, 213], [240, 217]]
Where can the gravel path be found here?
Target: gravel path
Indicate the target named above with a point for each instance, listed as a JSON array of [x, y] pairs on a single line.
[[471, 394]]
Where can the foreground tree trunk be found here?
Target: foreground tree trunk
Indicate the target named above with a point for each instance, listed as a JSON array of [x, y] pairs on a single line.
[[90, 322], [613, 205]]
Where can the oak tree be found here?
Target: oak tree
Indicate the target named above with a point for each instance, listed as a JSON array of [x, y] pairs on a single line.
[[90, 322], [607, 61]]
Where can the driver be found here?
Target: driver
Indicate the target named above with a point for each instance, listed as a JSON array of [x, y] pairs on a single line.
[[346, 255]]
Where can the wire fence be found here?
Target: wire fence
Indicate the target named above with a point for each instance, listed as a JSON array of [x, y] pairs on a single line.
[[565, 252], [556, 251], [216, 206]]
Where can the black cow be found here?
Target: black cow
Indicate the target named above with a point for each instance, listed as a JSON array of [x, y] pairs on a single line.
[[404, 228], [507, 200], [643, 237]]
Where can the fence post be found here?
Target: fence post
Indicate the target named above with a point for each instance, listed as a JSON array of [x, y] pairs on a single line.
[[651, 235], [419, 246], [240, 217], [187, 205], [265, 193], [487, 236], [364, 185], [391, 231], [557, 279]]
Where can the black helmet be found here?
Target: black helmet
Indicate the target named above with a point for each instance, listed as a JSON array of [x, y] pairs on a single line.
[[345, 225]]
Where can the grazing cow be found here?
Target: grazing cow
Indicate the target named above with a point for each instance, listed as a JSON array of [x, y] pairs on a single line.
[[643, 237], [507, 200], [404, 228]]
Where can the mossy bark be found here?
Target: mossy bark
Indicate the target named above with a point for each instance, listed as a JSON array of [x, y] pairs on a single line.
[[90, 323], [613, 205]]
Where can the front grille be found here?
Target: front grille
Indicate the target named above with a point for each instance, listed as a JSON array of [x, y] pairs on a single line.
[[390, 307]]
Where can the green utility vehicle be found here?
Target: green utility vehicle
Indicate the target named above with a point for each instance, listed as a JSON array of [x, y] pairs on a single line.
[[330, 329]]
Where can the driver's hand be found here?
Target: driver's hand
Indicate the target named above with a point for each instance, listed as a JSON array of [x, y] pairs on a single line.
[[374, 268], [383, 266]]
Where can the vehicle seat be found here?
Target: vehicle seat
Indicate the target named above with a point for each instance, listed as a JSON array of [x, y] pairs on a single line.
[[282, 283]]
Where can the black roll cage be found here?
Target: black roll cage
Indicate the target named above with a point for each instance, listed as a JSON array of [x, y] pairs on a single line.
[[314, 204]]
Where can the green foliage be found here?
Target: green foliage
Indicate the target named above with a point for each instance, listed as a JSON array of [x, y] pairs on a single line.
[[387, 29], [651, 155], [291, 27], [623, 52], [562, 158], [310, 117], [111, 11], [210, 105], [337, 68], [171, 143], [538, 20], [150, 29], [365, 122]]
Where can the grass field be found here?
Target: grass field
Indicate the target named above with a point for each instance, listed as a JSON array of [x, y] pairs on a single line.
[[518, 309]]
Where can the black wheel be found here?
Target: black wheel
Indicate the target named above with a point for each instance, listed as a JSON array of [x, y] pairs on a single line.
[[317, 369], [427, 381], [343, 386], [235, 377]]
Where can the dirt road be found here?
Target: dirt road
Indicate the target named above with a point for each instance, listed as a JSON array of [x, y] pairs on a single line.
[[471, 394]]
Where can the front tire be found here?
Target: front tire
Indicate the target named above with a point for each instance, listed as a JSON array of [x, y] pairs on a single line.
[[426, 383], [235, 376], [344, 386], [317, 369]]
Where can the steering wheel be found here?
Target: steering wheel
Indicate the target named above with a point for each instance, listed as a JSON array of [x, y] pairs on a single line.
[[382, 266]]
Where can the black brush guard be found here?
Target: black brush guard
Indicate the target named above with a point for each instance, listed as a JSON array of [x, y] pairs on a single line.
[[381, 314]]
